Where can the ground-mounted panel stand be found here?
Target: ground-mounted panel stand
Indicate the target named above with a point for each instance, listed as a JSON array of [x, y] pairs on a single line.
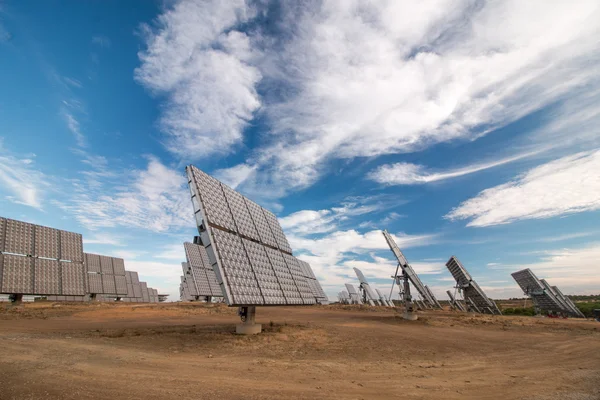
[[248, 325], [16, 299], [402, 281]]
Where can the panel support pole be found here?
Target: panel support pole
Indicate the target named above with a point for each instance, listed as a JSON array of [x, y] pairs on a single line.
[[248, 325]]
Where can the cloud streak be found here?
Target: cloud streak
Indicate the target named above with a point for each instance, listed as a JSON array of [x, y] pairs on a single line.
[[20, 181], [413, 174], [568, 185]]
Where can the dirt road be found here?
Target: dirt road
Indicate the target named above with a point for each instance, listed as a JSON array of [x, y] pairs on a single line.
[[188, 351]]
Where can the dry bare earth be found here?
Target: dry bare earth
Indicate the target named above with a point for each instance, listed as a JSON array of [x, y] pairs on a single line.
[[188, 351]]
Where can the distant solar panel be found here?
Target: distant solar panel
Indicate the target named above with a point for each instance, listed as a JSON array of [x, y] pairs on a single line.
[[412, 275], [314, 284], [237, 233], [534, 288], [203, 277], [456, 304], [372, 297], [469, 287], [354, 295], [383, 299]]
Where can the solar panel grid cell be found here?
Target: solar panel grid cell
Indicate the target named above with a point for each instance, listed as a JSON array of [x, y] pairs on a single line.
[[46, 242], [92, 262], [106, 265], [73, 278], [17, 274], [118, 266], [71, 246], [108, 284], [241, 215], [261, 224], [95, 283], [2, 235], [19, 237], [47, 275]]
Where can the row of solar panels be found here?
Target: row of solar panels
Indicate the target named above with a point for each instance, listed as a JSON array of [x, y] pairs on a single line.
[[545, 297], [199, 279], [38, 260], [371, 296]]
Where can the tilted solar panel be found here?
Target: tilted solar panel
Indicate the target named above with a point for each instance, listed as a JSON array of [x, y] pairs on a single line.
[[412, 275], [534, 288], [469, 287], [246, 247], [354, 295], [371, 295]]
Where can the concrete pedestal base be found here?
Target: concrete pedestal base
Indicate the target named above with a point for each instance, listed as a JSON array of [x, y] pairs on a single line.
[[248, 329], [411, 316]]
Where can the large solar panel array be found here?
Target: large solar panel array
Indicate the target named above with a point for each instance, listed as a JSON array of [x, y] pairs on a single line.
[[202, 278], [246, 246], [469, 287], [354, 295], [344, 297], [569, 303], [383, 299], [425, 294], [40, 260], [370, 294]]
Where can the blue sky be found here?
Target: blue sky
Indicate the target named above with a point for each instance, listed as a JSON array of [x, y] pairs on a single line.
[[464, 128]]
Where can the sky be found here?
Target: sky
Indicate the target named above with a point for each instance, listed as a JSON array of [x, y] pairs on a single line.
[[466, 128]]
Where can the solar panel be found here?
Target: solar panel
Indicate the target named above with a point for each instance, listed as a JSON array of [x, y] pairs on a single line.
[[47, 275], [106, 266], [534, 288], [354, 295], [203, 275], [469, 287], [406, 268], [46, 242], [92, 262], [71, 246], [371, 296], [73, 278], [17, 274], [121, 284], [2, 234], [313, 283], [18, 237], [94, 283], [118, 266], [108, 284], [247, 249]]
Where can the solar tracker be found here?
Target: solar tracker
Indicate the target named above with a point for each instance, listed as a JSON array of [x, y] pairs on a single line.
[[408, 270], [246, 246], [534, 288], [469, 287], [370, 294], [432, 296], [203, 276], [354, 296]]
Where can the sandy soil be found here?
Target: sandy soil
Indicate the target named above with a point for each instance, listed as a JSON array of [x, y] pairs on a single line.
[[188, 351]]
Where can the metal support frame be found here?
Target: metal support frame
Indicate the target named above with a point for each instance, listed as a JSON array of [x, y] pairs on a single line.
[[404, 288], [248, 325]]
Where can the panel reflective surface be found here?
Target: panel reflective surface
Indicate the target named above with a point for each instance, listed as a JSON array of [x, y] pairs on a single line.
[[246, 247], [469, 287]]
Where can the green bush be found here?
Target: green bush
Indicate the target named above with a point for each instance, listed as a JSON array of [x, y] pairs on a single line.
[[587, 308], [519, 311]]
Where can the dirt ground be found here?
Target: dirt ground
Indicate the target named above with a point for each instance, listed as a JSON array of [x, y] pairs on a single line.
[[189, 351]]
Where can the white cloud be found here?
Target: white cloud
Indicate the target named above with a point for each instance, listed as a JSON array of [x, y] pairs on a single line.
[[104, 238], [321, 221], [20, 181], [413, 174], [197, 58], [161, 276], [75, 128], [155, 199], [573, 270], [568, 185], [415, 74], [102, 41], [234, 176]]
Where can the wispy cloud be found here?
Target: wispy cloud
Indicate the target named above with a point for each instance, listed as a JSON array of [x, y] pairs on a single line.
[[102, 41], [154, 199], [20, 181], [75, 128], [413, 174], [200, 62], [568, 185]]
